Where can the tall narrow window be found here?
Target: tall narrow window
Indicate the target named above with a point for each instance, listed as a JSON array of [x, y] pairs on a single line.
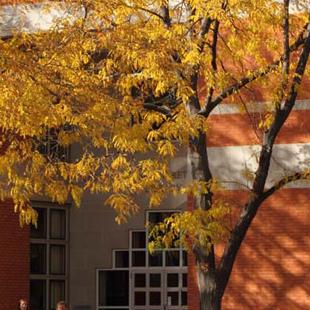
[[38, 294], [57, 224], [38, 258], [48, 252], [58, 259], [39, 232], [57, 292]]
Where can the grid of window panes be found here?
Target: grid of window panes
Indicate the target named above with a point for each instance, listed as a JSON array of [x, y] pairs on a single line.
[[48, 256], [152, 281]]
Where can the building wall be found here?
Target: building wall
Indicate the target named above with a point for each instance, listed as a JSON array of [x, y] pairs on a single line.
[[271, 269], [14, 258], [93, 236]]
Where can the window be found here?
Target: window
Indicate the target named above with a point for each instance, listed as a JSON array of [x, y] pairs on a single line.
[[138, 239], [38, 294], [57, 292], [121, 259], [113, 288], [57, 224], [156, 259], [48, 256], [172, 258], [141, 280], [38, 258], [138, 258], [57, 259], [156, 217], [39, 232]]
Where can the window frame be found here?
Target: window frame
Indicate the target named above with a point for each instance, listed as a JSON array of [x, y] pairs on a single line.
[[49, 242], [164, 270]]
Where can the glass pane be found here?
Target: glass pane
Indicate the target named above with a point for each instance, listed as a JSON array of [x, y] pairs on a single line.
[[157, 217], [184, 253], [140, 298], [172, 279], [58, 259], [138, 239], [57, 224], [155, 280], [113, 288], [140, 280], [184, 279], [172, 258], [40, 231], [138, 258], [37, 294], [173, 298], [156, 259], [184, 298], [155, 298], [57, 292], [121, 259], [38, 258]]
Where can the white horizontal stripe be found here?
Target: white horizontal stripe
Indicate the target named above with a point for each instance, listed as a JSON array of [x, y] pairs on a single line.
[[231, 164], [258, 107]]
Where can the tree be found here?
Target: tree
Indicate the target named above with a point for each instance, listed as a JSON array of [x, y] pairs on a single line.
[[133, 78]]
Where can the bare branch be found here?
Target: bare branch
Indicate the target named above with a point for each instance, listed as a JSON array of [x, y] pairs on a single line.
[[286, 52], [154, 107], [145, 10], [214, 57], [286, 42], [286, 180], [165, 15], [256, 74]]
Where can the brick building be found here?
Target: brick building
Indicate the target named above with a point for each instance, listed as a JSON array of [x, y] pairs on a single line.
[[84, 257], [14, 258]]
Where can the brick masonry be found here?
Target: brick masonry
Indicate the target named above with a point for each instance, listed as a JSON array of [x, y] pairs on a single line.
[[239, 129], [14, 258], [272, 267]]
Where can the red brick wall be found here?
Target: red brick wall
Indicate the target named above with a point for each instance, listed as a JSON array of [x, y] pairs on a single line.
[[238, 129], [14, 258], [272, 267]]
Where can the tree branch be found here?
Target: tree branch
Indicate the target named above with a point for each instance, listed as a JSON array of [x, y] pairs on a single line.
[[286, 42], [286, 180], [258, 195], [214, 57], [256, 74], [165, 15], [158, 108], [145, 10], [205, 26]]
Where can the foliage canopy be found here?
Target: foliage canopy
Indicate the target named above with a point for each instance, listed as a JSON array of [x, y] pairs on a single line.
[[116, 84]]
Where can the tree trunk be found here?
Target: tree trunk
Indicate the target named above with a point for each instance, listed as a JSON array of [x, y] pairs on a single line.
[[209, 296], [205, 260]]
